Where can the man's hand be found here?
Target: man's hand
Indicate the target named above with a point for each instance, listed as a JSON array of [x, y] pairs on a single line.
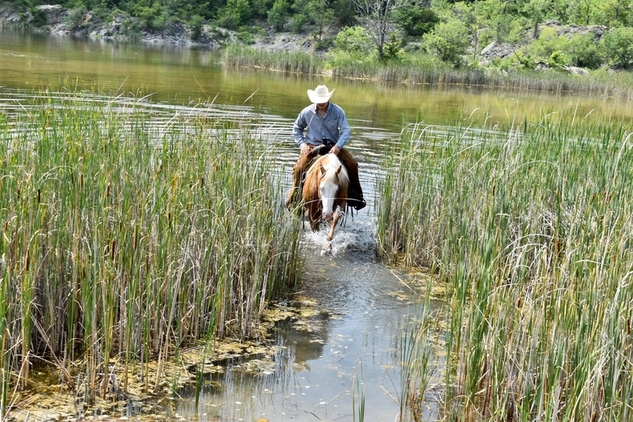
[[305, 149], [335, 150]]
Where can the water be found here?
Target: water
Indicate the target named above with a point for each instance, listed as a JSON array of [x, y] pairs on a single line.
[[350, 348]]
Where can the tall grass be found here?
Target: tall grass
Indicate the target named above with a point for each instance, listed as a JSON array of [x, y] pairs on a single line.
[[127, 235], [531, 231], [236, 55], [416, 70]]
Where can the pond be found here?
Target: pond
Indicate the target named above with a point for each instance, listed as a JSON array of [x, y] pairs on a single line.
[[349, 350]]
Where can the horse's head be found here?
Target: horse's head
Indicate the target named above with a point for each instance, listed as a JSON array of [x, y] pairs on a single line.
[[333, 178], [325, 190]]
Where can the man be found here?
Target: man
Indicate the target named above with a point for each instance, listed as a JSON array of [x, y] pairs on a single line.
[[323, 123]]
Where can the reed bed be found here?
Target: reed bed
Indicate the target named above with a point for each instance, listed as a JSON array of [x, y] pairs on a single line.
[[414, 72], [127, 235], [236, 55], [531, 230]]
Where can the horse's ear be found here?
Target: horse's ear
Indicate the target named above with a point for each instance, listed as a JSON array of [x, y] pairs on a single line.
[[338, 170]]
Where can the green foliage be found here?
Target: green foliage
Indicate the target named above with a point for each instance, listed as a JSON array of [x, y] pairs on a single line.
[[558, 59], [548, 43], [235, 14], [416, 20], [152, 18], [260, 8], [245, 36], [356, 41], [447, 40], [196, 23], [75, 18], [585, 51], [344, 12], [392, 50], [618, 46], [278, 14], [320, 15]]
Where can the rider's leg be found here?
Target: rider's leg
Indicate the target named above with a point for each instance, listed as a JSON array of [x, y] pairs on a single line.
[[355, 190], [298, 171]]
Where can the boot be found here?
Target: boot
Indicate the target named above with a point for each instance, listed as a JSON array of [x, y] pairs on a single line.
[[294, 194], [356, 200], [292, 198]]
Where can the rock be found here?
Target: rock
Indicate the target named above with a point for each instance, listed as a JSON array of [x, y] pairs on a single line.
[[576, 70]]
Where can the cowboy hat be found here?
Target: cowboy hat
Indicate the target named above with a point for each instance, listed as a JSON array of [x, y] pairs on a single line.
[[320, 95]]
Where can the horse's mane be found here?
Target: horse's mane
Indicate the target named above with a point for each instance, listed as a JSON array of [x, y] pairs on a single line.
[[332, 163]]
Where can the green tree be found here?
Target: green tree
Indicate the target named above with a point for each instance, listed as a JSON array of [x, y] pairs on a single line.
[[448, 40], [585, 52], [235, 14], [278, 14], [380, 19], [344, 12], [356, 41], [618, 46], [320, 15], [613, 13], [416, 20]]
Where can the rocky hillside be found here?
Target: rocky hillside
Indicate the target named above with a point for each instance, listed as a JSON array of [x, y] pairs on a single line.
[[57, 20]]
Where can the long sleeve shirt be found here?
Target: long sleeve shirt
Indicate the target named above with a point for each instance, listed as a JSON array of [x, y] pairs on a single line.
[[310, 127]]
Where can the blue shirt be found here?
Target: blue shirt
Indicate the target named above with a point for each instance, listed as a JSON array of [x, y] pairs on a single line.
[[333, 126]]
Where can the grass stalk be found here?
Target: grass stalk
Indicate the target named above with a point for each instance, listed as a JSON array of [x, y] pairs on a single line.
[[128, 233], [530, 229]]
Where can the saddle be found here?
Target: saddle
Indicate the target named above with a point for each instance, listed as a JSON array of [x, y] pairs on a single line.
[[321, 149]]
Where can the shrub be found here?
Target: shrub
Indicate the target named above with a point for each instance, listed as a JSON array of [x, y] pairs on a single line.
[[617, 45], [278, 14], [196, 27], [355, 40], [448, 40], [415, 20], [585, 51]]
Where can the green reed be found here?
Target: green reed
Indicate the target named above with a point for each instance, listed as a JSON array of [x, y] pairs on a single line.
[[531, 230], [295, 62], [129, 232]]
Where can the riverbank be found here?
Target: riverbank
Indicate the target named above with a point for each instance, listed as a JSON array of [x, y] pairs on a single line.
[[57, 20]]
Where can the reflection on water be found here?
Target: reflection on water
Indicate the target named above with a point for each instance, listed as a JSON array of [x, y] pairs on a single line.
[[320, 368]]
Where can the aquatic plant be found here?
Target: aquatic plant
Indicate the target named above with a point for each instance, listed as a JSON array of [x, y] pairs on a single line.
[[236, 55], [130, 231], [530, 228]]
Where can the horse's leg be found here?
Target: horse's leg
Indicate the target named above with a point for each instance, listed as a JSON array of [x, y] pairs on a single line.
[[333, 223]]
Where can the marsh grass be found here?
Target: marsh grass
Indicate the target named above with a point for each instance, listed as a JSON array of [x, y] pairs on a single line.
[[236, 55], [127, 235], [531, 230], [415, 71]]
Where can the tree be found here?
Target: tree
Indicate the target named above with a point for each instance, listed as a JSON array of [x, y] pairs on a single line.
[[380, 16], [320, 15], [448, 40], [278, 14], [618, 46], [416, 20], [235, 14]]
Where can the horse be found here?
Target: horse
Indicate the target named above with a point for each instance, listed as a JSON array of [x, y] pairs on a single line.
[[325, 192]]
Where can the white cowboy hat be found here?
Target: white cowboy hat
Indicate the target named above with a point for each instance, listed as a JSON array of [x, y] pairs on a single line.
[[320, 95]]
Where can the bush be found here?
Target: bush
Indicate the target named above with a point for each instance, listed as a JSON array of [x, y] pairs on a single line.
[[585, 51], [415, 20], [356, 41], [196, 27], [617, 45], [278, 14], [448, 40], [235, 14]]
